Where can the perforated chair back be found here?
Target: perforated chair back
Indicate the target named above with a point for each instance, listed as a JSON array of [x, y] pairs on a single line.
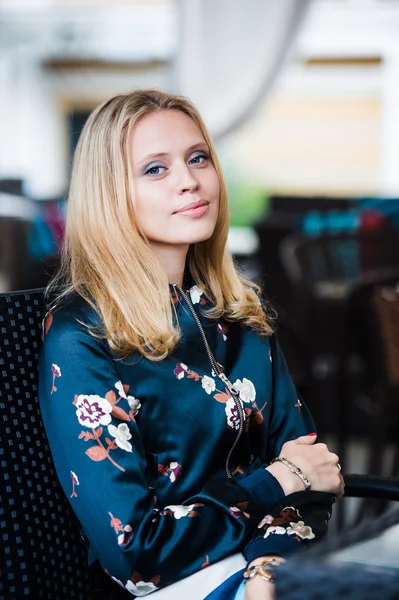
[[42, 552]]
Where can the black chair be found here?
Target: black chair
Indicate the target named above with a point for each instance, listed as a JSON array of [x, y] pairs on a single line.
[[368, 398], [43, 553], [323, 271], [370, 359]]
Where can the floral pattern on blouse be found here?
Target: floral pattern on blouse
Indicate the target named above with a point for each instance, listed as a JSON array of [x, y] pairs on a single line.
[[102, 419], [287, 523], [180, 510], [137, 586], [175, 297], [275, 530], [48, 321], [122, 436], [173, 471], [223, 329], [301, 530], [238, 512], [92, 410], [48, 318], [195, 294], [245, 388], [75, 482], [124, 532], [232, 414], [208, 384], [180, 370], [134, 403], [95, 412], [141, 588], [56, 373]]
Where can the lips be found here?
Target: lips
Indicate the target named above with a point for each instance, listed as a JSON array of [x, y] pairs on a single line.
[[193, 206]]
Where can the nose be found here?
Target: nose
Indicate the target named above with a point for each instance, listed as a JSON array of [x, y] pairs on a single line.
[[187, 180]]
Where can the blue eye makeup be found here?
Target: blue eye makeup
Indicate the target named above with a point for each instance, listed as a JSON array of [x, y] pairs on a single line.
[[154, 169], [199, 158]]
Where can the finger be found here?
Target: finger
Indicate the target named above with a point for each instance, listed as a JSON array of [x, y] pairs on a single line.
[[334, 458], [341, 490], [307, 439]]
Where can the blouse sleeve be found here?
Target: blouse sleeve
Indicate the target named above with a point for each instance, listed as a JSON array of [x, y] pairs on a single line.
[[294, 522], [101, 463], [301, 518], [290, 417]]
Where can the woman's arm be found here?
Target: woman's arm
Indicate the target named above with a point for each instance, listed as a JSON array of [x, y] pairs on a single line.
[[315, 461], [258, 588], [291, 435], [300, 517]]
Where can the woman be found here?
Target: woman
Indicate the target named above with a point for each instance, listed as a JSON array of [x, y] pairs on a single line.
[[164, 393]]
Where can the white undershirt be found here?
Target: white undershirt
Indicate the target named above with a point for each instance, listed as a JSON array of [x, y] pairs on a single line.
[[198, 585]]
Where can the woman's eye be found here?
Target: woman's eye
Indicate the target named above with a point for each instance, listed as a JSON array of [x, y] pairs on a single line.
[[154, 170], [199, 159]]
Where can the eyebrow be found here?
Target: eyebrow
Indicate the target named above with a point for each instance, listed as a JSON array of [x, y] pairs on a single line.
[[196, 146]]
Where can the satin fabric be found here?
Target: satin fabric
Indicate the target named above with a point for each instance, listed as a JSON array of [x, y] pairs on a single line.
[[140, 447]]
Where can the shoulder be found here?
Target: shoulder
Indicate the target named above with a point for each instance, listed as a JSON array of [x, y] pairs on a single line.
[[71, 316], [267, 340]]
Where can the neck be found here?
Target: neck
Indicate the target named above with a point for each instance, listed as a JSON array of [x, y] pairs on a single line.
[[173, 258]]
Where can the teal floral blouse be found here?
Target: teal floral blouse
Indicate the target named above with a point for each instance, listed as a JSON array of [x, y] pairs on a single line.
[[163, 467]]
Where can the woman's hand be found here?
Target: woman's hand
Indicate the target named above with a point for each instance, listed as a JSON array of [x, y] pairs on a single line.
[[258, 588], [315, 461]]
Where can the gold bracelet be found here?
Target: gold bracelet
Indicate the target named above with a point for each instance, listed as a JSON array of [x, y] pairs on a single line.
[[264, 569], [294, 469]]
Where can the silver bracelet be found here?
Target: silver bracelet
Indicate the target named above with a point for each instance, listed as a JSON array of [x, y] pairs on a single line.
[[294, 469]]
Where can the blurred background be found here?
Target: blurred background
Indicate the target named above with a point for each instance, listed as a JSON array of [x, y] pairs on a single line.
[[301, 97]]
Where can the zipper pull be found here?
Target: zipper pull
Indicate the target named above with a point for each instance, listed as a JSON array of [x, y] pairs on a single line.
[[227, 383]]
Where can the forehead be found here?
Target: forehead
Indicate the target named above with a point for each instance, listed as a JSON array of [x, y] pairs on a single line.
[[164, 131]]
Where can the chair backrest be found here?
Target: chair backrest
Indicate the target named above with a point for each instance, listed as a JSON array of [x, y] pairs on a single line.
[[373, 321], [370, 358], [386, 302], [42, 551], [338, 258]]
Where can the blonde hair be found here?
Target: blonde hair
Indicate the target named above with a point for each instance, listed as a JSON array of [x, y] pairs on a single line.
[[110, 263]]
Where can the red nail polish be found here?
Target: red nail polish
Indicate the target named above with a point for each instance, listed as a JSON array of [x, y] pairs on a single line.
[[312, 433]]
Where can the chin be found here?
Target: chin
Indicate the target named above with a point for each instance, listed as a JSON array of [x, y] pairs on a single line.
[[200, 236]]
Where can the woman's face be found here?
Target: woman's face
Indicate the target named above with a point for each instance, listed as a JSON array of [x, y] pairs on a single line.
[[176, 187]]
